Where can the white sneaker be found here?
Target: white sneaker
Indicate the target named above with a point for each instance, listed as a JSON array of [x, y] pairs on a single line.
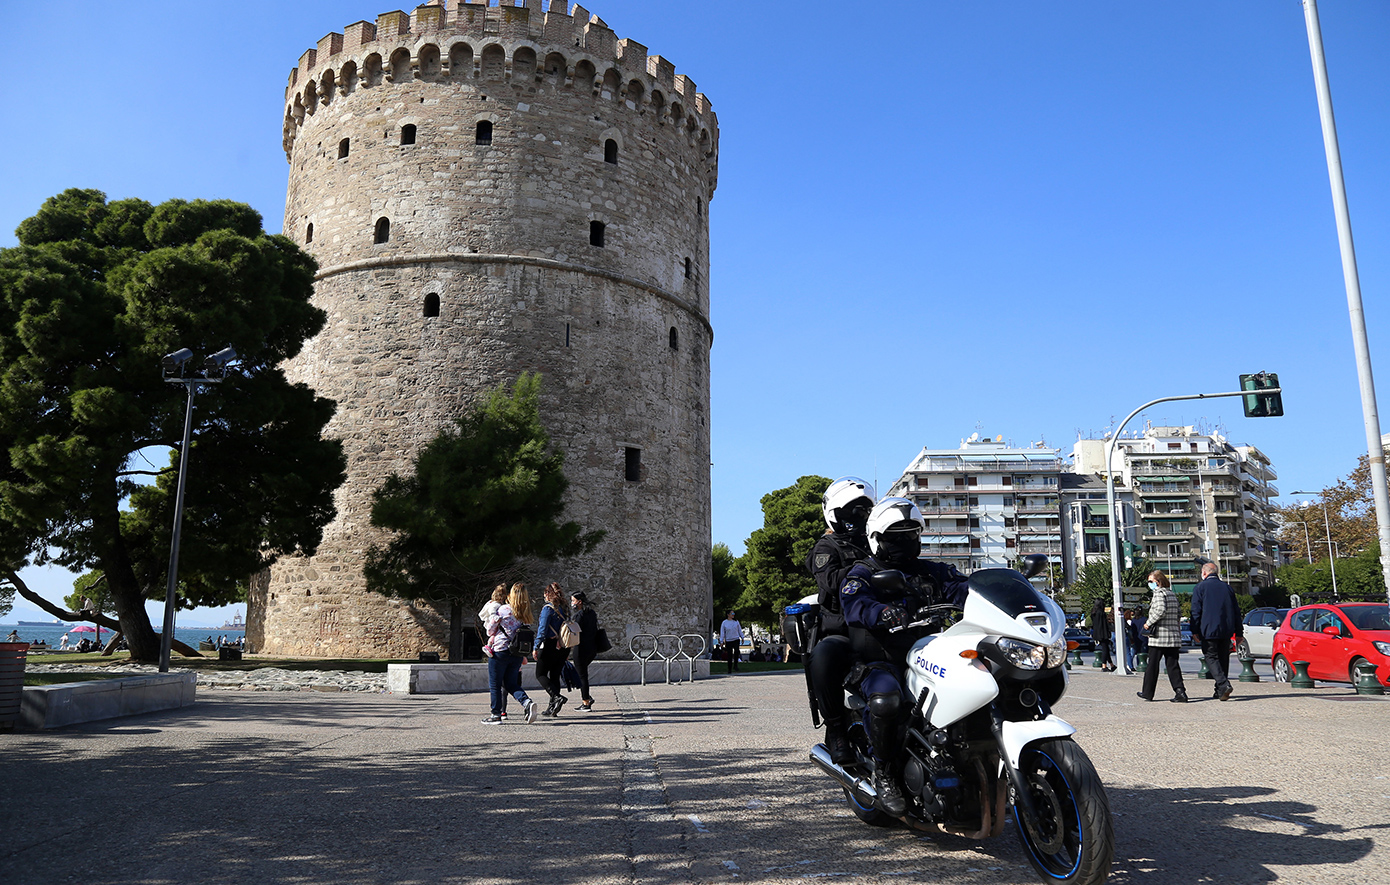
[[530, 711]]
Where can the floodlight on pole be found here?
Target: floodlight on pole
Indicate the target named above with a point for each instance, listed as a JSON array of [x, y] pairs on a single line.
[[1327, 525], [175, 367]]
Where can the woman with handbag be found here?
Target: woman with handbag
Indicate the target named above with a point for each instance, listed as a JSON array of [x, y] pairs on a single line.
[[587, 650], [551, 654]]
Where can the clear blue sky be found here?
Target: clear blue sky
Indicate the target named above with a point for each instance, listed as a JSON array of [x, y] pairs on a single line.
[[931, 216]]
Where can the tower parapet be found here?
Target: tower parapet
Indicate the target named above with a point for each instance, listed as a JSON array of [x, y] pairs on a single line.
[[490, 190]]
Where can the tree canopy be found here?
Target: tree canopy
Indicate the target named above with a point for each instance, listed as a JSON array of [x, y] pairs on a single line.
[[484, 494], [774, 565], [90, 301], [1096, 581]]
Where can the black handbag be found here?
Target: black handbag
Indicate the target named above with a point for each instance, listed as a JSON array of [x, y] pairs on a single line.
[[601, 638]]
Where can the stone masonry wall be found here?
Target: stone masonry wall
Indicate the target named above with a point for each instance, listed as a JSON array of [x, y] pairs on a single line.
[[487, 270]]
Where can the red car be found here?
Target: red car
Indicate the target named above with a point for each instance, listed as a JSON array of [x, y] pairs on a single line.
[[1334, 639]]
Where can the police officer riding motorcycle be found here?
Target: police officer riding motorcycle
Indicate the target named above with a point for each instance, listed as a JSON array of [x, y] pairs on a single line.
[[872, 611], [845, 505]]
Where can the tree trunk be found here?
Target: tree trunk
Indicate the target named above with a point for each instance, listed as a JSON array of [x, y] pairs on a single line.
[[455, 631]]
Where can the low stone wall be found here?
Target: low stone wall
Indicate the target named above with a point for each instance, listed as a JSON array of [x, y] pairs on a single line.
[[54, 706], [461, 678]]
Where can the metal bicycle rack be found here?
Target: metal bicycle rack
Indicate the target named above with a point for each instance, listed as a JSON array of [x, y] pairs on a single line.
[[642, 659], [672, 653], [692, 655]]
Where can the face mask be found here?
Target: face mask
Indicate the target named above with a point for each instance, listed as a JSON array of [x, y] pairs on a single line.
[[1153, 585]]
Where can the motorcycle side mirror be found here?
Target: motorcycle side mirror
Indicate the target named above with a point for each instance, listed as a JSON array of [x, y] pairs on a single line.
[[1033, 564], [890, 579]]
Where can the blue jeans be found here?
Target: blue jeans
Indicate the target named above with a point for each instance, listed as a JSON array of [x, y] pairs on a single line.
[[504, 678]]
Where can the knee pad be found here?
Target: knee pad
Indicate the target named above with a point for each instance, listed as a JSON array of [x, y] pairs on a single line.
[[886, 706]]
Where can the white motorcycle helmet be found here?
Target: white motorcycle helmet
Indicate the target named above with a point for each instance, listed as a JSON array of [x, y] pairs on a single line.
[[846, 504], [895, 531]]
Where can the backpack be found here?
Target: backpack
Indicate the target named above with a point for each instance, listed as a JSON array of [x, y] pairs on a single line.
[[569, 633]]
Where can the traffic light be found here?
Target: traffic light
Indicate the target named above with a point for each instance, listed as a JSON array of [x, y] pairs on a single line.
[[1264, 405]]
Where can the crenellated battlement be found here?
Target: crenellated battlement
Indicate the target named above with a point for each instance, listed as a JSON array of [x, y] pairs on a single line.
[[511, 40]]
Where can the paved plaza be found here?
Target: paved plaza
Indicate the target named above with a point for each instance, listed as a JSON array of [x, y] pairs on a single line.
[[703, 782]]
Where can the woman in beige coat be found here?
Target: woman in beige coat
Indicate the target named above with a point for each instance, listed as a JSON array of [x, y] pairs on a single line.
[[1164, 628]]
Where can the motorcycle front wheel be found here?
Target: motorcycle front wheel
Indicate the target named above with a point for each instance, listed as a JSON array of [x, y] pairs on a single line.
[[1074, 840]]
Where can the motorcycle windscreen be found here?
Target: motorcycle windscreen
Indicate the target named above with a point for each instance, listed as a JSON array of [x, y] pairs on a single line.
[[1008, 591]]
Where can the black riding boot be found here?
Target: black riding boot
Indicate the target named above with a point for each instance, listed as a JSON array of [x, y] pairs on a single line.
[[883, 734], [837, 742]]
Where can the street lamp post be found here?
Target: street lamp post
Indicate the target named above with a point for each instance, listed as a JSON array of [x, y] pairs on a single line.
[[213, 371], [1327, 526]]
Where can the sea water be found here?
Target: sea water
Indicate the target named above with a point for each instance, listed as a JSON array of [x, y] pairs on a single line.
[[54, 633]]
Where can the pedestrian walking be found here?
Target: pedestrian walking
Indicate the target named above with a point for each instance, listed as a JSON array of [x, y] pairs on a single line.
[[1164, 626], [731, 637], [550, 654], [1134, 639], [1215, 619], [1100, 632], [587, 649], [504, 666]]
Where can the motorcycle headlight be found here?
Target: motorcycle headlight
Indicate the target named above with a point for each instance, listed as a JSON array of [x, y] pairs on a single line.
[[1057, 653], [1383, 648], [1024, 655]]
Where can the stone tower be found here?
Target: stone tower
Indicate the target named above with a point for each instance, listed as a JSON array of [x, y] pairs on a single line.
[[490, 190]]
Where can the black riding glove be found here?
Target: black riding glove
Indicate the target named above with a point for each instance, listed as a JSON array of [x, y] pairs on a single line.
[[892, 617]]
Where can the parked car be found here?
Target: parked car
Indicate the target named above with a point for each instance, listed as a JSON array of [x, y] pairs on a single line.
[[1334, 639], [1186, 634], [1083, 640], [1260, 625]]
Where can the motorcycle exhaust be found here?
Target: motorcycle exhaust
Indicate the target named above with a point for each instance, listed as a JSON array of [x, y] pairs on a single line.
[[859, 786]]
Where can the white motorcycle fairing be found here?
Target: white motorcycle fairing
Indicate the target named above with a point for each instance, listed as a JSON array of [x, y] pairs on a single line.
[[955, 686], [1018, 735]]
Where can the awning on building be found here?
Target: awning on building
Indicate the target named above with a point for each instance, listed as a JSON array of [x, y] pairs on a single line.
[[1099, 509], [928, 538]]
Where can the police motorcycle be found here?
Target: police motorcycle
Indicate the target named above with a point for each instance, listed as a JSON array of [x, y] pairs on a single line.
[[981, 737]]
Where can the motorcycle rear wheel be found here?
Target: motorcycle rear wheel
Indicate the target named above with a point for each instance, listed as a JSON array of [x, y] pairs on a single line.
[[1076, 839]]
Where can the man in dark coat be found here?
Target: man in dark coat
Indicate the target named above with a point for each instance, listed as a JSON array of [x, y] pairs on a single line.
[[1215, 619]]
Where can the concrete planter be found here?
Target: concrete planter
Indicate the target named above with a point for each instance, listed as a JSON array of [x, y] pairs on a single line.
[[13, 656]]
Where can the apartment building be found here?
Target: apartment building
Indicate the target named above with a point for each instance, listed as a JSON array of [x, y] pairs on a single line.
[[1086, 520], [986, 503], [1195, 495]]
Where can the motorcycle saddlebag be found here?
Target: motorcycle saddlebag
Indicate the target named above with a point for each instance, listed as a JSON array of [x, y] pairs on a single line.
[[798, 619]]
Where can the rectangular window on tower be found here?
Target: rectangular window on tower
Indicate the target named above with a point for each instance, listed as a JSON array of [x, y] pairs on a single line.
[[632, 464]]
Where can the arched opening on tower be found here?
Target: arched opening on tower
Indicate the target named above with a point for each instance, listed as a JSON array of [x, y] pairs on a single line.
[[674, 339], [408, 133], [431, 305], [343, 149], [383, 231], [309, 234], [596, 233], [610, 152], [461, 61], [483, 134]]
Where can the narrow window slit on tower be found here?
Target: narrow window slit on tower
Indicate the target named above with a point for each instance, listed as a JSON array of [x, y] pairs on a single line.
[[567, 334], [343, 148], [596, 229], [687, 268], [431, 305], [309, 234], [674, 339], [408, 133], [383, 230], [484, 132], [632, 464]]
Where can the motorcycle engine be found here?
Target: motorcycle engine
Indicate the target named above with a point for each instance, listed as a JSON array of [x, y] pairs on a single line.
[[934, 781]]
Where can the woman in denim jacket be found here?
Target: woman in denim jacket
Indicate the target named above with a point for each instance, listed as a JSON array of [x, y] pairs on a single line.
[[550, 654], [504, 666]]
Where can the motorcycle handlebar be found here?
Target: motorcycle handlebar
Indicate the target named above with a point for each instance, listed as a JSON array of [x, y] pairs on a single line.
[[932, 614]]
